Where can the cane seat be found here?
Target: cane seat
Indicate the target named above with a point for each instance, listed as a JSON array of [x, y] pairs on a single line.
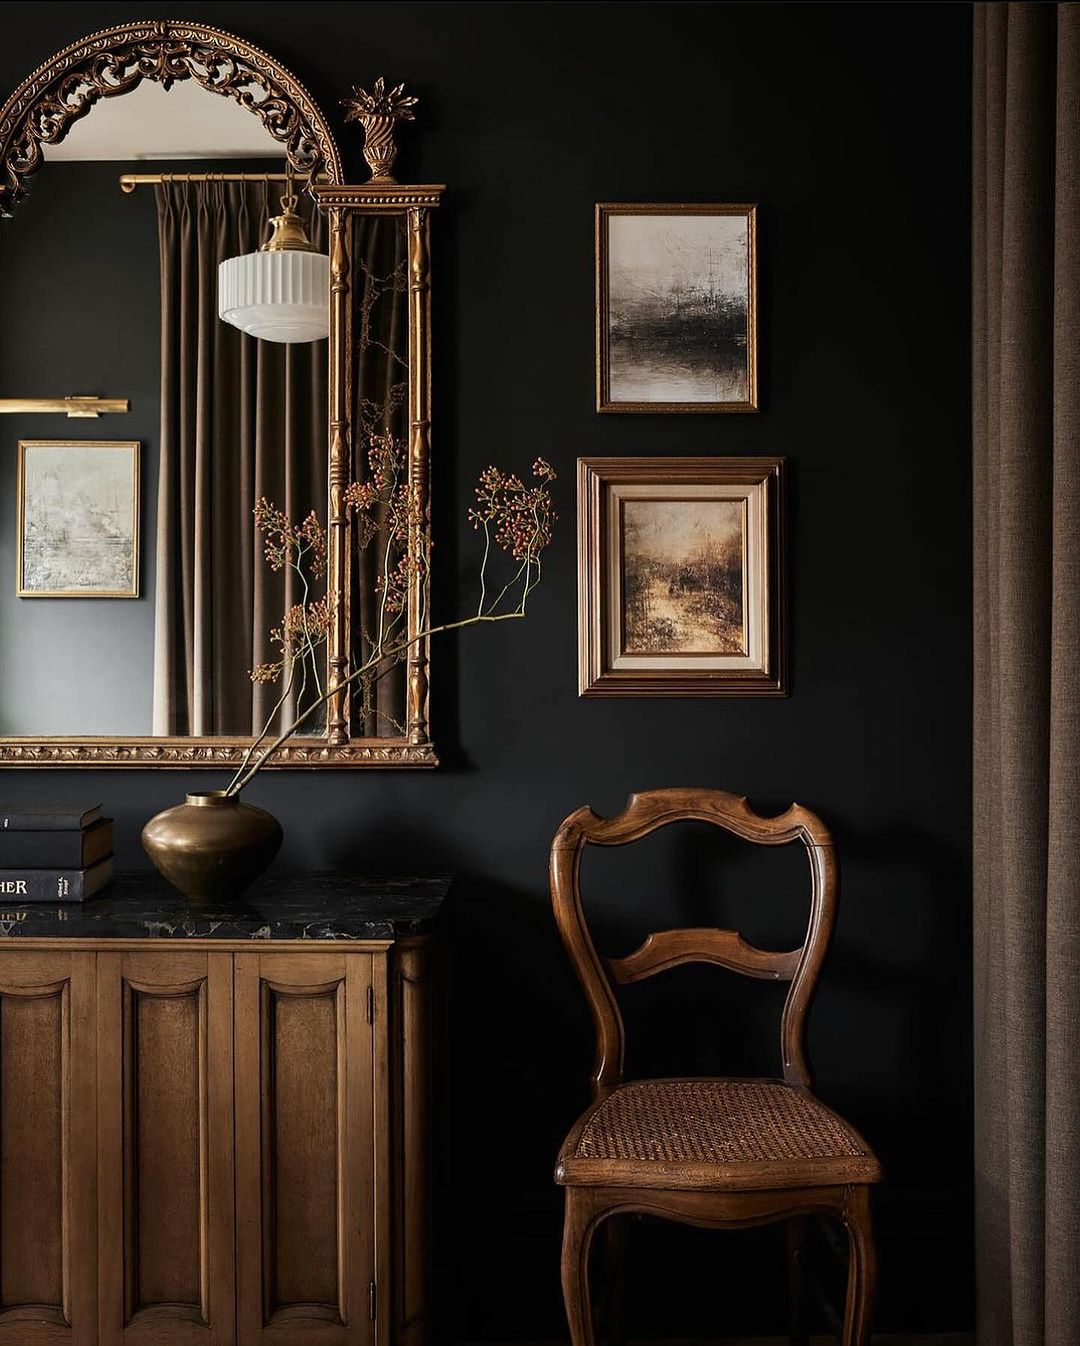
[[713, 1133]]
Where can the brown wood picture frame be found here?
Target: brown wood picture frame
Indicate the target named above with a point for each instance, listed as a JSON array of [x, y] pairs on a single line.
[[637, 626], [681, 306]]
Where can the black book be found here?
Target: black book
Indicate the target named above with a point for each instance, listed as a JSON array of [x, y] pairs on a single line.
[[57, 850], [47, 818], [19, 886]]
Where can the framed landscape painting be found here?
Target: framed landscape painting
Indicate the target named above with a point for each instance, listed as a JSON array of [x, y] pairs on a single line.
[[78, 526], [680, 578], [676, 308]]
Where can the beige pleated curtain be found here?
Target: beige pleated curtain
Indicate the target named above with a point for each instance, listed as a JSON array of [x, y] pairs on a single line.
[[1026, 360], [240, 419]]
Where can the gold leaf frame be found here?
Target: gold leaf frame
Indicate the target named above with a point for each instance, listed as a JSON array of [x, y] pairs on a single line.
[[41, 112], [135, 446], [597, 673], [415, 203], [114, 61]]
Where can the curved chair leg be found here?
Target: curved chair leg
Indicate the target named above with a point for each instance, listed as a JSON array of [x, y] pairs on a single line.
[[614, 1316], [796, 1254], [579, 1226], [862, 1268]]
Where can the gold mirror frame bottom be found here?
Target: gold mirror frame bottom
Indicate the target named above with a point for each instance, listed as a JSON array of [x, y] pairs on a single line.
[[181, 753]]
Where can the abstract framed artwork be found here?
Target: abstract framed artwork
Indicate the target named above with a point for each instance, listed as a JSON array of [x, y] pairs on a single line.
[[676, 308], [78, 524], [680, 577]]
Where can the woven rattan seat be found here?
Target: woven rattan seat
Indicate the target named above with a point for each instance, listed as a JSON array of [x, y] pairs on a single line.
[[724, 1132]]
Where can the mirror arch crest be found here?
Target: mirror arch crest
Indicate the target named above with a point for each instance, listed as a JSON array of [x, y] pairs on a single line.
[[114, 61]]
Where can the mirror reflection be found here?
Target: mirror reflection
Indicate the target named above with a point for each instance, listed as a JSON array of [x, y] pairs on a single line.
[[135, 593], [380, 417]]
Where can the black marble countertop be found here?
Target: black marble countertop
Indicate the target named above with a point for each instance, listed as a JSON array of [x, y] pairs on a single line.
[[278, 906]]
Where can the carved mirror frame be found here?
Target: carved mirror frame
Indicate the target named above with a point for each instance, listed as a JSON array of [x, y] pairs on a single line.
[[40, 113]]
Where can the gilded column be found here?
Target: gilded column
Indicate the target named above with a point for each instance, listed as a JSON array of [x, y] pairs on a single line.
[[338, 540], [417, 728]]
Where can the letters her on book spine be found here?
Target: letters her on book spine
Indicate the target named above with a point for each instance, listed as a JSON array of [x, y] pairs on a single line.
[[54, 885]]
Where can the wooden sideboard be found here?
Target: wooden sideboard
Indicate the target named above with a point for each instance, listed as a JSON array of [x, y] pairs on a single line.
[[212, 1121]]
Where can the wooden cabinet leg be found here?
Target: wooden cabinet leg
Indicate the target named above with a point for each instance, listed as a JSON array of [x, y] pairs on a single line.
[[411, 1105]]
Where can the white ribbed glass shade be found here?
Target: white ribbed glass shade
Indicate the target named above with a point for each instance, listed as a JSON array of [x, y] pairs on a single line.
[[276, 296]]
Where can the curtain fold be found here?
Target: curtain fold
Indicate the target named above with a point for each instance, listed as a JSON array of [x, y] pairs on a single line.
[[240, 419], [1026, 500]]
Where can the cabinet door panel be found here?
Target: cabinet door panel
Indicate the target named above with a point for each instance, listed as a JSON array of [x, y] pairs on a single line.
[[304, 1161], [47, 1263], [166, 1141]]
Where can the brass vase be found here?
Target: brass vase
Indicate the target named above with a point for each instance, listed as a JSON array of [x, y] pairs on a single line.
[[212, 846]]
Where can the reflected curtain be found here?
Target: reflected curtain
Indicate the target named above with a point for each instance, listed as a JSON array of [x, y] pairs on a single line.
[[240, 419], [1026, 405]]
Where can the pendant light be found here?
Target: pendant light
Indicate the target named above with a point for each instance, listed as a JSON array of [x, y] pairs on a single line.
[[282, 292]]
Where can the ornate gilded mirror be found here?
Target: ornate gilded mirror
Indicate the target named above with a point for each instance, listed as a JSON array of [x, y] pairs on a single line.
[[195, 483]]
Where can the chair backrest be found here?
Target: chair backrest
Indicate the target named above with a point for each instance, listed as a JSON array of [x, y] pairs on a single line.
[[669, 948]]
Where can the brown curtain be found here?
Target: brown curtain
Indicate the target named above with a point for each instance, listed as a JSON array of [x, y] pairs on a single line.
[[1026, 404], [240, 419]]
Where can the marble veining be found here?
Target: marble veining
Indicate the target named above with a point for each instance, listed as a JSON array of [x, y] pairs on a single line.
[[280, 906]]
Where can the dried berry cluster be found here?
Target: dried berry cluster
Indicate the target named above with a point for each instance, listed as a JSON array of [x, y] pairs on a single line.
[[519, 517], [395, 583], [386, 461], [303, 628], [387, 501], [287, 543]]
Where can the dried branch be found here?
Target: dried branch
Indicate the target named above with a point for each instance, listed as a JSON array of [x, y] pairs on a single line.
[[515, 518]]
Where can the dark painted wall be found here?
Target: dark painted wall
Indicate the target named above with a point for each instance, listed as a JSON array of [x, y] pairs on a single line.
[[79, 313], [849, 124]]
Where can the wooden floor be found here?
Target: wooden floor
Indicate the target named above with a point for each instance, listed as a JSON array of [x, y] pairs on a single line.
[[880, 1339]]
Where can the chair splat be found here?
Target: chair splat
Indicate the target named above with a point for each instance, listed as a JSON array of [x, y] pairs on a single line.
[[726, 948]]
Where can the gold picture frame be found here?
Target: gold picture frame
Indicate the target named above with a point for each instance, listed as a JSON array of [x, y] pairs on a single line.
[[101, 533], [680, 577], [682, 307]]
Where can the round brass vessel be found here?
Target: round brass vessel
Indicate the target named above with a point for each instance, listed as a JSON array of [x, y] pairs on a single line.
[[212, 846]]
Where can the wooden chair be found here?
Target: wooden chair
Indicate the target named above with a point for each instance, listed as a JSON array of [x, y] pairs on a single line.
[[719, 1153]]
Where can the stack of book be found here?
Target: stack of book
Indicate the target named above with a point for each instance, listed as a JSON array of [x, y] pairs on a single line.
[[54, 853]]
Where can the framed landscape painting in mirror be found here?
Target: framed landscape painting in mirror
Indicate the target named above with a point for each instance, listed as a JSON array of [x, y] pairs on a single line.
[[680, 578], [78, 519], [676, 308]]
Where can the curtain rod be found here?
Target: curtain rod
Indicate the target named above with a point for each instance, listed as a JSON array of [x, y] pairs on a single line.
[[129, 181]]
